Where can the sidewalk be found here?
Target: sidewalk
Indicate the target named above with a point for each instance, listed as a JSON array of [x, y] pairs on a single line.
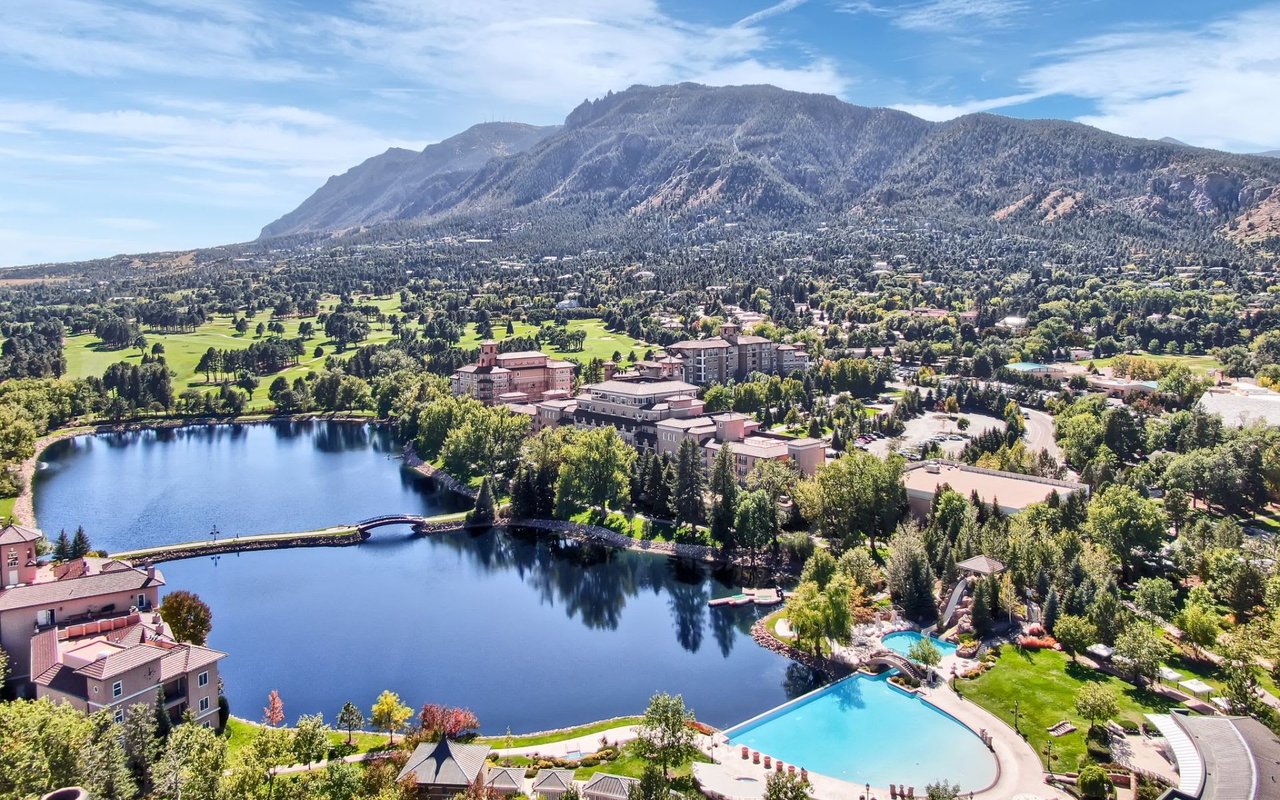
[[588, 743]]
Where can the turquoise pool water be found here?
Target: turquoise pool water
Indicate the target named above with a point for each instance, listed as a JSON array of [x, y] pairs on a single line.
[[901, 642], [865, 730]]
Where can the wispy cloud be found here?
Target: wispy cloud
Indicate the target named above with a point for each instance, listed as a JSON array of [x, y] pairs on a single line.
[[554, 53], [942, 16], [944, 111], [191, 38]]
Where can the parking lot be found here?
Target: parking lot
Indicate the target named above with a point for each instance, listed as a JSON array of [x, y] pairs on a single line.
[[921, 429]]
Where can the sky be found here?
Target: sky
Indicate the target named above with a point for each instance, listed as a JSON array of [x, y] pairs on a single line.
[[142, 125]]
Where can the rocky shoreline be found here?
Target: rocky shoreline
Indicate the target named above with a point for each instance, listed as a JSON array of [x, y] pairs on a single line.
[[831, 668]]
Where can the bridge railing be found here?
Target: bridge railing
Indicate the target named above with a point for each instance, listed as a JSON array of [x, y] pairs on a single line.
[[387, 518]]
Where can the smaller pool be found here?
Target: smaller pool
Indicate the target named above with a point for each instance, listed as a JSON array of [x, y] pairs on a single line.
[[901, 642]]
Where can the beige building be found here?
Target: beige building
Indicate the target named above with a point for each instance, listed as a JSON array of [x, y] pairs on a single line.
[[1012, 491], [733, 356], [113, 663], [635, 407], [738, 432], [55, 597], [521, 377]]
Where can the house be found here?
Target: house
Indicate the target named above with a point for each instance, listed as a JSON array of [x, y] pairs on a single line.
[[550, 784], [519, 377], [1012, 491], [505, 781], [604, 786], [115, 662], [87, 591], [443, 769]]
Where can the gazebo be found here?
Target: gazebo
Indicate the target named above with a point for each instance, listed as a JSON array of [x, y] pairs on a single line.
[[981, 565]]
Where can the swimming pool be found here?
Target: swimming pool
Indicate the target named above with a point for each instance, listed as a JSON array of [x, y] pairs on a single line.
[[865, 730], [901, 642]]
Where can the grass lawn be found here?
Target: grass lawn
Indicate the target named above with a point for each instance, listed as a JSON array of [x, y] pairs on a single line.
[[1197, 364], [627, 526], [6, 506], [182, 351], [558, 736], [600, 343], [630, 764], [240, 733], [1046, 683]]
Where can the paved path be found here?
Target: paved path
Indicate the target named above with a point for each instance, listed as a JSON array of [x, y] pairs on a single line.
[[1040, 434], [587, 743], [169, 552]]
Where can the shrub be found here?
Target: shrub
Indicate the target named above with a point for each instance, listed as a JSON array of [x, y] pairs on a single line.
[[1037, 642], [1093, 782]]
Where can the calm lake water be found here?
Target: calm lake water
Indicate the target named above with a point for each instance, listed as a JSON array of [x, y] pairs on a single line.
[[530, 633]]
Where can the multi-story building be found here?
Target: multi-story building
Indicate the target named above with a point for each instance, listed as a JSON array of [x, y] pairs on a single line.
[[738, 432], [520, 377], [635, 407], [733, 356], [115, 662]]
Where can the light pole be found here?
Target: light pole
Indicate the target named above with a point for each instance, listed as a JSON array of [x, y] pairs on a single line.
[[214, 533]]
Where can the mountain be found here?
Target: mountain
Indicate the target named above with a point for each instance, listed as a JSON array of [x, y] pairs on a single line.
[[1171, 140], [389, 186], [691, 151], [1269, 154]]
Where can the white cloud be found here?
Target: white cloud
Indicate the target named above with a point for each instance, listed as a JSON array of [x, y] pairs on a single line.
[[772, 11], [192, 38], [938, 112], [1214, 86], [941, 16], [553, 53]]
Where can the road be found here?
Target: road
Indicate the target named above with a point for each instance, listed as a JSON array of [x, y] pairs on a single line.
[[1040, 433]]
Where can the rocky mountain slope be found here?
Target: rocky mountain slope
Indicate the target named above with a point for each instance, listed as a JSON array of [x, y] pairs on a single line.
[[392, 185], [688, 151]]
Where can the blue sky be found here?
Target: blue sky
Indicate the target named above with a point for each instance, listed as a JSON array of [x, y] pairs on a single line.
[[137, 125]]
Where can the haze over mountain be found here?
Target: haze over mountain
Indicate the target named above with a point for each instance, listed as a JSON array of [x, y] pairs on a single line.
[[688, 149], [397, 183]]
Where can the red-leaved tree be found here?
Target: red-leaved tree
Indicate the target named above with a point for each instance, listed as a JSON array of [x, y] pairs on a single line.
[[273, 714], [436, 720]]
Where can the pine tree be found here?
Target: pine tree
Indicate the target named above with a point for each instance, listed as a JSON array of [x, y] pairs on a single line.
[[62, 546], [163, 724], [483, 513], [690, 483], [1051, 611], [980, 611], [79, 544], [724, 497]]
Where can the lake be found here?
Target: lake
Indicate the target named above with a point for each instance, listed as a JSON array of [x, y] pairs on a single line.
[[530, 632]]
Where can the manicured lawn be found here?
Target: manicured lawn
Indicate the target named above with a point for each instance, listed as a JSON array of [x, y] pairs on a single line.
[[1045, 683], [558, 736], [600, 343], [6, 507], [627, 526], [182, 351], [631, 764], [1197, 364], [240, 733]]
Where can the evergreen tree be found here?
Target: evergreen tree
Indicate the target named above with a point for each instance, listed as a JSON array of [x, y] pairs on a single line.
[[79, 544], [483, 513], [724, 497], [1051, 611], [62, 546], [141, 741], [980, 611], [104, 768], [690, 483]]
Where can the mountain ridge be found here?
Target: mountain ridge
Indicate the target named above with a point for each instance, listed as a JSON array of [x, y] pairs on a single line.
[[688, 150]]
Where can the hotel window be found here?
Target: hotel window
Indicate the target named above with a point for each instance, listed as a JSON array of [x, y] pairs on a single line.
[[13, 558], [203, 679], [204, 704], [117, 688], [119, 715]]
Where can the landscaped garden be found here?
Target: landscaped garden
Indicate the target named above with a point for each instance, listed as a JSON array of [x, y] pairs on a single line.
[[1044, 685]]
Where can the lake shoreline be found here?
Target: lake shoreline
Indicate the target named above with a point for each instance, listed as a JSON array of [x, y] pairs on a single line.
[[24, 504]]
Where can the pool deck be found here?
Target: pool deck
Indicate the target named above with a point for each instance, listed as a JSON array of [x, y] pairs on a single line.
[[1019, 770]]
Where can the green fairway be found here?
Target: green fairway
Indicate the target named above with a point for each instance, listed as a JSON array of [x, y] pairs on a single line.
[[1045, 683], [182, 351], [1199, 365], [600, 343]]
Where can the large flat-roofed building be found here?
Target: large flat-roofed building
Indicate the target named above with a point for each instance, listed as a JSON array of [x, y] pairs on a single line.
[[1221, 758], [1012, 491], [520, 377], [733, 356], [1243, 404]]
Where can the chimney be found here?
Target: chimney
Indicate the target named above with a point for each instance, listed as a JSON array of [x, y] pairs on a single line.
[[151, 572], [610, 369]]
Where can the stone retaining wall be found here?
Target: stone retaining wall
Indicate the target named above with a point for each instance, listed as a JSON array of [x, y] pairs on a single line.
[[441, 478], [833, 669]]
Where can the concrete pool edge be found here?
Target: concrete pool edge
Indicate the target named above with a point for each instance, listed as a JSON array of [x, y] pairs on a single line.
[[727, 733]]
